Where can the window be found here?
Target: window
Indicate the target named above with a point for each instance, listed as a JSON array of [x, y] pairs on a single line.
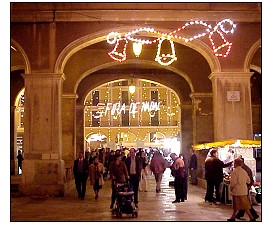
[[95, 98], [155, 119], [125, 97], [95, 121], [154, 96], [125, 118]]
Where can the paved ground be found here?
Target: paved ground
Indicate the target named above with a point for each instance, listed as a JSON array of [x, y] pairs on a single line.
[[157, 207]]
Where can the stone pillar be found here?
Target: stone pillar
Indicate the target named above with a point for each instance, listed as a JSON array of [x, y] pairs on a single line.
[[232, 105], [13, 145], [202, 116], [43, 168], [186, 128], [80, 128], [69, 129]]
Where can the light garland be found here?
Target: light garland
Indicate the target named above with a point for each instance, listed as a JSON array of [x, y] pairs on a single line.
[[121, 41]]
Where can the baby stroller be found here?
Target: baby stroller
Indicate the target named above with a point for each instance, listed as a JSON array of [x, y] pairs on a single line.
[[124, 200]]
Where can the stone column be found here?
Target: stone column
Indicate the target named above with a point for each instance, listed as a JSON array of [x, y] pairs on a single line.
[[232, 105], [186, 128], [43, 168], [202, 116], [80, 128], [69, 129], [13, 145]]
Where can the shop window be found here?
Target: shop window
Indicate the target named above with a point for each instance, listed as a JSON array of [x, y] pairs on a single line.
[[152, 137]]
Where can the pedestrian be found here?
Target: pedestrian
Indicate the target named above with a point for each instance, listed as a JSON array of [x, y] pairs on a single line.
[[214, 176], [96, 171], [80, 171], [238, 188], [118, 174], [143, 180], [134, 167], [179, 167], [20, 159], [241, 212], [185, 181], [158, 167], [193, 167]]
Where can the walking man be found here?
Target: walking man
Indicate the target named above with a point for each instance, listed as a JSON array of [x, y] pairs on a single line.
[[80, 173]]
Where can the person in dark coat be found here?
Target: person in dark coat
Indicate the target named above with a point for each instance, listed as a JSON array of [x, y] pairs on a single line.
[[185, 182], [80, 171], [134, 168], [214, 176], [20, 160], [193, 167]]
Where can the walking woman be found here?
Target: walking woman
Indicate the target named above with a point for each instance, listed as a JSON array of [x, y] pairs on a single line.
[[96, 175]]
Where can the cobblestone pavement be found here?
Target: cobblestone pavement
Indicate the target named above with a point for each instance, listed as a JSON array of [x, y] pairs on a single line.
[[155, 207]]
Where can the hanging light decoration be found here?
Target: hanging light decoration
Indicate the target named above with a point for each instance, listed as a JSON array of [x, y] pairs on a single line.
[[166, 59], [132, 87], [221, 47], [137, 48]]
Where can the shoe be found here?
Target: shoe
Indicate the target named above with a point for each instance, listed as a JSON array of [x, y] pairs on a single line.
[[252, 220], [136, 205], [175, 201], [210, 203], [256, 217], [182, 200], [237, 217], [157, 191], [218, 203], [96, 196], [231, 219]]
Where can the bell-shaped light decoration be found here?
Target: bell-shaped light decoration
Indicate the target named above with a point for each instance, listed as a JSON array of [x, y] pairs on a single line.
[[119, 51], [137, 48], [132, 87], [166, 59]]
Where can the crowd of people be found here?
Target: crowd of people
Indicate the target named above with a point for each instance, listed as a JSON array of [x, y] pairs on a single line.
[[132, 166]]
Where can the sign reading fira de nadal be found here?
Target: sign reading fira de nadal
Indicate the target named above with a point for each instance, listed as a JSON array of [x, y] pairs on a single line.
[[115, 109]]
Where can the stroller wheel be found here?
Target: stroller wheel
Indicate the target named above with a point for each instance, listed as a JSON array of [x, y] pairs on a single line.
[[118, 213]]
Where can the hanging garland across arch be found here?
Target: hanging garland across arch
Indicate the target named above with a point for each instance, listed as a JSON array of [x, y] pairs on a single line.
[[217, 32]]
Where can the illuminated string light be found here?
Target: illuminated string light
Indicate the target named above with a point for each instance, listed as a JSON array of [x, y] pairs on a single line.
[[220, 29]]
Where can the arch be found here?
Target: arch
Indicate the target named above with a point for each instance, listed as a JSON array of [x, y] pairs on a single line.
[[27, 66], [133, 61], [250, 55], [22, 91], [93, 38], [256, 68]]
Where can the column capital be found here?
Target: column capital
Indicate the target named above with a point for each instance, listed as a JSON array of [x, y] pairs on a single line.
[[70, 96], [196, 95], [37, 76], [230, 75]]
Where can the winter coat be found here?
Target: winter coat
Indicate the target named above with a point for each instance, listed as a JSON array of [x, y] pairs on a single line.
[[92, 173], [239, 181], [158, 164]]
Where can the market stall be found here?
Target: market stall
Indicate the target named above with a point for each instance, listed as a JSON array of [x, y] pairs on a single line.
[[228, 150]]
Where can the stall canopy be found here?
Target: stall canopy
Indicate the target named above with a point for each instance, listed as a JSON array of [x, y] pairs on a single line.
[[230, 143]]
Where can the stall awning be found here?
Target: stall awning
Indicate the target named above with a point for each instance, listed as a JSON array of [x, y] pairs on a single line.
[[229, 143]]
